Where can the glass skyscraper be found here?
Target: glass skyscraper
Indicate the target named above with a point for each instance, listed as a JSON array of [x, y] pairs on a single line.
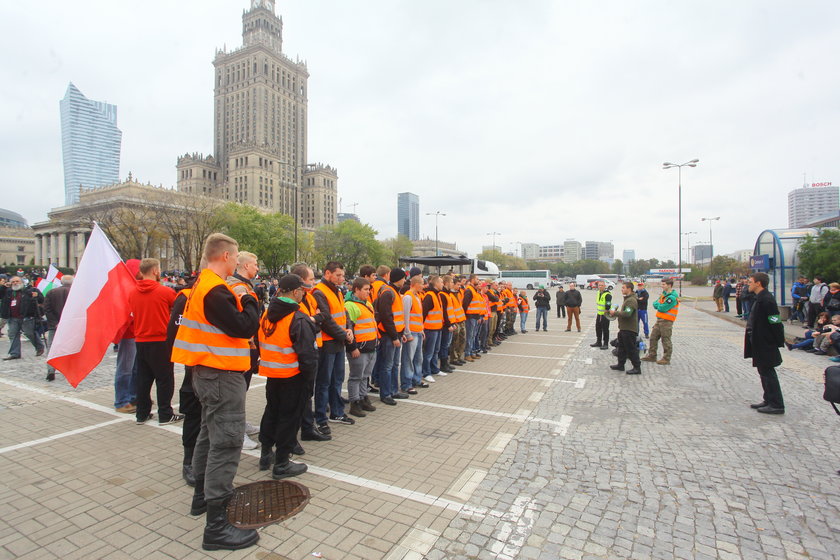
[[408, 215], [90, 143]]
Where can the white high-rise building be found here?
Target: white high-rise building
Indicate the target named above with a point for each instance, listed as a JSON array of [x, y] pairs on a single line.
[[810, 202]]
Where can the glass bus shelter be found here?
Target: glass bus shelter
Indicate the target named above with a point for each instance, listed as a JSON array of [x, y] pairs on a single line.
[[777, 253]]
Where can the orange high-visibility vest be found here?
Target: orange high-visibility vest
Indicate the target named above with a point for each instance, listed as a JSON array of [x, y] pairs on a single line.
[[415, 314], [523, 304], [456, 314], [364, 328], [476, 306], [277, 355], [671, 314], [375, 288], [434, 319], [336, 308], [396, 309], [199, 342], [310, 306]]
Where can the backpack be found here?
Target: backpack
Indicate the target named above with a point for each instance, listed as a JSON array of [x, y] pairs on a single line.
[[832, 386]]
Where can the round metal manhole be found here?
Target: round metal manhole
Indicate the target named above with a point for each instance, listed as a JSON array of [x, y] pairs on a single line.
[[265, 502]]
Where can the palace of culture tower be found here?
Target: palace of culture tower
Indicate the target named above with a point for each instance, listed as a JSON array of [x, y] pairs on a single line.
[[260, 130]]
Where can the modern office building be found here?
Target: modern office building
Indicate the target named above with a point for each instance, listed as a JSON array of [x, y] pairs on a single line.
[[553, 253], [572, 251], [598, 250], [530, 251], [90, 143], [628, 255], [408, 215], [701, 253], [810, 202], [260, 130]]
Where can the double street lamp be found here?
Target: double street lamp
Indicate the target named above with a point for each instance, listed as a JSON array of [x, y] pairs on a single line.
[[436, 214], [494, 234], [711, 250], [669, 165]]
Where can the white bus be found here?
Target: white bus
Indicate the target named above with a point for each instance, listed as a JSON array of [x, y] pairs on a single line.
[[526, 279]]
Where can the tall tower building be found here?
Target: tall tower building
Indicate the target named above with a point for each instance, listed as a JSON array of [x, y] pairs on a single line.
[[90, 143], [260, 130], [408, 215], [809, 203]]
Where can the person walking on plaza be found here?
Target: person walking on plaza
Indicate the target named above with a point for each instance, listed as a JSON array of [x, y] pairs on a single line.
[[764, 335], [542, 301], [53, 306], [727, 293], [151, 305], [560, 300], [717, 295], [21, 308], [391, 324], [628, 331], [213, 337], [642, 297], [573, 302], [362, 351], [740, 291], [524, 308], [667, 309], [603, 302], [798, 294], [288, 359]]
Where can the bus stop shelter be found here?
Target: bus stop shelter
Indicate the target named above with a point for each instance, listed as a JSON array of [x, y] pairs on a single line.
[[777, 253]]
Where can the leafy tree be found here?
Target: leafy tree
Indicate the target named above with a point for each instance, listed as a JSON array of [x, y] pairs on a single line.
[[350, 243], [269, 236], [617, 267], [394, 248], [819, 255], [505, 262]]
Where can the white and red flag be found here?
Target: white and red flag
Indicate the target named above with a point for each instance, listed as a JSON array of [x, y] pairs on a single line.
[[52, 280], [96, 309]]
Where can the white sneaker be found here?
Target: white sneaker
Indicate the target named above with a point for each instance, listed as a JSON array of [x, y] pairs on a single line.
[[251, 430], [248, 443], [442, 373], [430, 379]]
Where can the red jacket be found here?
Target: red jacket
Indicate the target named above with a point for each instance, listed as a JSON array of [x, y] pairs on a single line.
[[150, 304]]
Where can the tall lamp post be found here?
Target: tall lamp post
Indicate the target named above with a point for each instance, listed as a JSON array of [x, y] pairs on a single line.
[[711, 249], [669, 165], [494, 234], [436, 213]]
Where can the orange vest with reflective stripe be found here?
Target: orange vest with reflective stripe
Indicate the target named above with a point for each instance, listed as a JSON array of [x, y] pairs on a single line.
[[434, 319], [310, 307], [415, 314], [671, 314], [476, 306], [336, 308], [277, 355], [396, 309], [523, 304], [200, 343], [456, 315], [364, 328], [375, 288], [511, 304]]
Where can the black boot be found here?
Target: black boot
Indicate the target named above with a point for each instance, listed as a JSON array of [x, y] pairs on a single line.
[[220, 534], [266, 457], [198, 505], [444, 366], [187, 474], [287, 469]]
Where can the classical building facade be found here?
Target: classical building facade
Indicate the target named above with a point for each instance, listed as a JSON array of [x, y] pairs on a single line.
[[17, 245], [260, 130]]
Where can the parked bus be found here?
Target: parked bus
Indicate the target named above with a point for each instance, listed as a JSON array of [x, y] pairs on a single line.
[[526, 279]]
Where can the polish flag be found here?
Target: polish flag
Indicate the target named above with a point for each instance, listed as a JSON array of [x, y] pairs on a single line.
[[96, 309]]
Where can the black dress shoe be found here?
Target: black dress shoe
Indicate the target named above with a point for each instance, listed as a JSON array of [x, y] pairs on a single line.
[[634, 371], [314, 435], [595, 345], [762, 404], [7, 358], [298, 449], [604, 347], [771, 410], [388, 400], [187, 474], [400, 395], [616, 367]]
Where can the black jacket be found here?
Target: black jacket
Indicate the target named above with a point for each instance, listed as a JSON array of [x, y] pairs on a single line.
[[383, 307], [54, 304], [302, 332], [560, 298], [542, 299], [642, 297], [28, 298], [765, 332], [573, 298]]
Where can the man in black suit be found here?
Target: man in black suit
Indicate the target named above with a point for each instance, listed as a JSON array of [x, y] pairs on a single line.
[[764, 335]]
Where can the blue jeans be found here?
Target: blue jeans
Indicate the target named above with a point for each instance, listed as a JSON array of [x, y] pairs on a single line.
[[471, 333], [747, 305], [542, 312], [431, 347], [390, 358], [643, 317], [27, 326], [522, 317], [481, 337], [411, 362], [328, 384], [445, 343], [125, 378]]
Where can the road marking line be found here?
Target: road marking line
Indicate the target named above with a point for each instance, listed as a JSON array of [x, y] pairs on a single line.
[[580, 383], [563, 425], [521, 356], [416, 544], [536, 396], [522, 415], [537, 343], [502, 374], [34, 442], [524, 412], [466, 484], [499, 442], [548, 382]]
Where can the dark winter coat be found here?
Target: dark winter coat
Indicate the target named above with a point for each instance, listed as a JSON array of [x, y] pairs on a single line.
[[573, 298], [542, 299], [765, 332]]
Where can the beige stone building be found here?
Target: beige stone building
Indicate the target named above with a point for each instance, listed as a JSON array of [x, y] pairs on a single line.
[[260, 130], [17, 246]]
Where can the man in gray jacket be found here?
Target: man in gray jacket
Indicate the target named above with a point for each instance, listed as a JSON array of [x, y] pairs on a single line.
[[628, 331]]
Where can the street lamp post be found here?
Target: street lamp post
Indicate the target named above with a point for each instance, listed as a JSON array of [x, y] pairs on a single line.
[[494, 234], [436, 213], [711, 249], [669, 165]]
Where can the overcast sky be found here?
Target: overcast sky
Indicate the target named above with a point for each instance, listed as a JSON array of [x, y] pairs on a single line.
[[541, 120]]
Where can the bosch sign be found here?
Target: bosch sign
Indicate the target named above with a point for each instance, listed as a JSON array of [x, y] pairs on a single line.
[[824, 184]]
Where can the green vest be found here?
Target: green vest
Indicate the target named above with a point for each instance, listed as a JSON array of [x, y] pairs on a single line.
[[602, 302]]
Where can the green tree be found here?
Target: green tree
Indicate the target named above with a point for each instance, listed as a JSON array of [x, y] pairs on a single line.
[[504, 262], [394, 248], [350, 243], [269, 236], [819, 255], [618, 267]]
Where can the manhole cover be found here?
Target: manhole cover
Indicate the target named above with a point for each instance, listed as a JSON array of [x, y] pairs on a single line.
[[265, 502]]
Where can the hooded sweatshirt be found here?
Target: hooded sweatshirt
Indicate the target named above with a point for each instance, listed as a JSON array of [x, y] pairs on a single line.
[[151, 304]]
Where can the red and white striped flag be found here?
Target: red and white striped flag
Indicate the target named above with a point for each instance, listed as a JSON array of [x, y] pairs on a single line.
[[96, 309]]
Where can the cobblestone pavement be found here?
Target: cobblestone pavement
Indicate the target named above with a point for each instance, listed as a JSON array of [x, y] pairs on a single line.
[[537, 450]]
